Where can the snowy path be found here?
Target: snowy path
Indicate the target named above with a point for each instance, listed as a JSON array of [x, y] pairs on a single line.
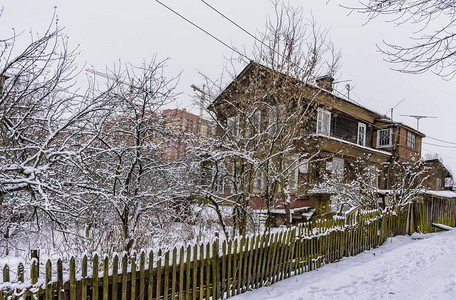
[[421, 267]]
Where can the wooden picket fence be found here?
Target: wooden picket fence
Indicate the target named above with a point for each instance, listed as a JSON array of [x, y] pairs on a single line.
[[216, 270], [432, 209]]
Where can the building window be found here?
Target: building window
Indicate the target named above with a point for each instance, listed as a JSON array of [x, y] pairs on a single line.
[[438, 184], [323, 121], [257, 120], [294, 167], [448, 182], [218, 177], [274, 117], [384, 138], [219, 185], [361, 140], [233, 125], [304, 167], [336, 166], [411, 140], [329, 166], [373, 176], [254, 123], [293, 178], [260, 182]]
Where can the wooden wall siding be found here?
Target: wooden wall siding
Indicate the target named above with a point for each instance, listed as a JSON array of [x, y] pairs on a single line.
[[403, 150], [346, 107], [435, 170]]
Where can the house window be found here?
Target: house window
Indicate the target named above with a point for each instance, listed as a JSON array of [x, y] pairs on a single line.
[[304, 167], [448, 182], [384, 138], [293, 166], [257, 120], [254, 123], [361, 140], [219, 185], [323, 121], [233, 125], [218, 177], [438, 183], [372, 176], [260, 182], [293, 178], [329, 166], [411, 140], [338, 165], [274, 117]]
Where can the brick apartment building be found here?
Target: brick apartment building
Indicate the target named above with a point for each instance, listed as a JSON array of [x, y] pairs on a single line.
[[188, 127]]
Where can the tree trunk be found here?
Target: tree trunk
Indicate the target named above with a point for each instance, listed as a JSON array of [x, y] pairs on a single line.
[[287, 215]]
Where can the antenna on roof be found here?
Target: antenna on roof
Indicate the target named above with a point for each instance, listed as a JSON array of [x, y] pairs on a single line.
[[392, 108], [348, 87], [418, 118]]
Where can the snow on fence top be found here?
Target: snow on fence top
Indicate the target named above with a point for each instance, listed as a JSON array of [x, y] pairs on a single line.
[[271, 254]]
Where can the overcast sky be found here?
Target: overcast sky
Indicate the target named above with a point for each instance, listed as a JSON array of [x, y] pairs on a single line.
[[133, 31]]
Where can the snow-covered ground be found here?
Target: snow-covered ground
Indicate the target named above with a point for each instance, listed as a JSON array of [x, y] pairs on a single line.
[[417, 267]]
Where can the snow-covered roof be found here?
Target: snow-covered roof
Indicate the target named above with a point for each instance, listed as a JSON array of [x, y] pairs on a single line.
[[292, 210], [444, 194]]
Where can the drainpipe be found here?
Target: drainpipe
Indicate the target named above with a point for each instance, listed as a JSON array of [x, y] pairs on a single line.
[[396, 138]]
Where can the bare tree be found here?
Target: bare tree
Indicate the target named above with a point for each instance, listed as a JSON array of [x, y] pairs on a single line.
[[399, 183], [125, 168], [295, 45], [406, 182], [432, 46], [362, 190], [41, 125], [264, 114]]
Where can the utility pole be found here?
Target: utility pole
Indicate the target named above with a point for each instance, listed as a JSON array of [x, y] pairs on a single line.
[[201, 108]]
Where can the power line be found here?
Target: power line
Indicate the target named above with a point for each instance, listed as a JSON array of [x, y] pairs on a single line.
[[437, 145], [443, 146], [257, 39], [443, 155], [247, 32], [443, 141], [239, 26], [203, 30]]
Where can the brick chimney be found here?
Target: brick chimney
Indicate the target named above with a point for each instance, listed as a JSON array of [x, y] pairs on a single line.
[[325, 82]]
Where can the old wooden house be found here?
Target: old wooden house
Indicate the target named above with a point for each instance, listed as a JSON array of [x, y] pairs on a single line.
[[438, 177], [330, 133]]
